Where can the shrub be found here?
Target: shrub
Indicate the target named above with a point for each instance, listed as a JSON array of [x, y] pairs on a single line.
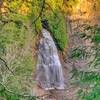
[[58, 29]]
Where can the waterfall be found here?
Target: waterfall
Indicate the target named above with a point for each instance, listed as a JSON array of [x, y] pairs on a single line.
[[49, 68]]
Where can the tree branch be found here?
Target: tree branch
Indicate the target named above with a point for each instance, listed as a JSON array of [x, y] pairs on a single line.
[[9, 21], [40, 12], [5, 63]]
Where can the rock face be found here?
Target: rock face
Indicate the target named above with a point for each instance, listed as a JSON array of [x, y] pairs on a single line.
[[49, 68]]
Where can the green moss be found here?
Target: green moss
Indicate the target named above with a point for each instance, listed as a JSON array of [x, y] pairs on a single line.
[[58, 28], [96, 38]]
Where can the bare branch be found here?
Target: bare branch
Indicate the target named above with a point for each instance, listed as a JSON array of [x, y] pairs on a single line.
[[40, 12], [9, 21], [5, 63]]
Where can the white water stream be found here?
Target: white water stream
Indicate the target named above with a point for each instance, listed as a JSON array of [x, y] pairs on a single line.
[[49, 68]]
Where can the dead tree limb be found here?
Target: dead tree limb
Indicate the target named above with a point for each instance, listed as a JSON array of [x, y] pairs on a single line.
[[5, 63]]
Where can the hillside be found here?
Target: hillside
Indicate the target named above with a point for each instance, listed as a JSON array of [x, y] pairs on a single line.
[[74, 26]]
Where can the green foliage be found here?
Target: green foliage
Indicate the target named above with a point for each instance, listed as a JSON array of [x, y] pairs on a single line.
[[6, 94], [96, 38], [58, 29], [11, 33], [15, 49], [77, 53], [89, 79], [91, 85], [95, 31]]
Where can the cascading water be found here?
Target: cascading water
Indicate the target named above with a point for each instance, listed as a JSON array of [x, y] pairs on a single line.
[[49, 68]]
